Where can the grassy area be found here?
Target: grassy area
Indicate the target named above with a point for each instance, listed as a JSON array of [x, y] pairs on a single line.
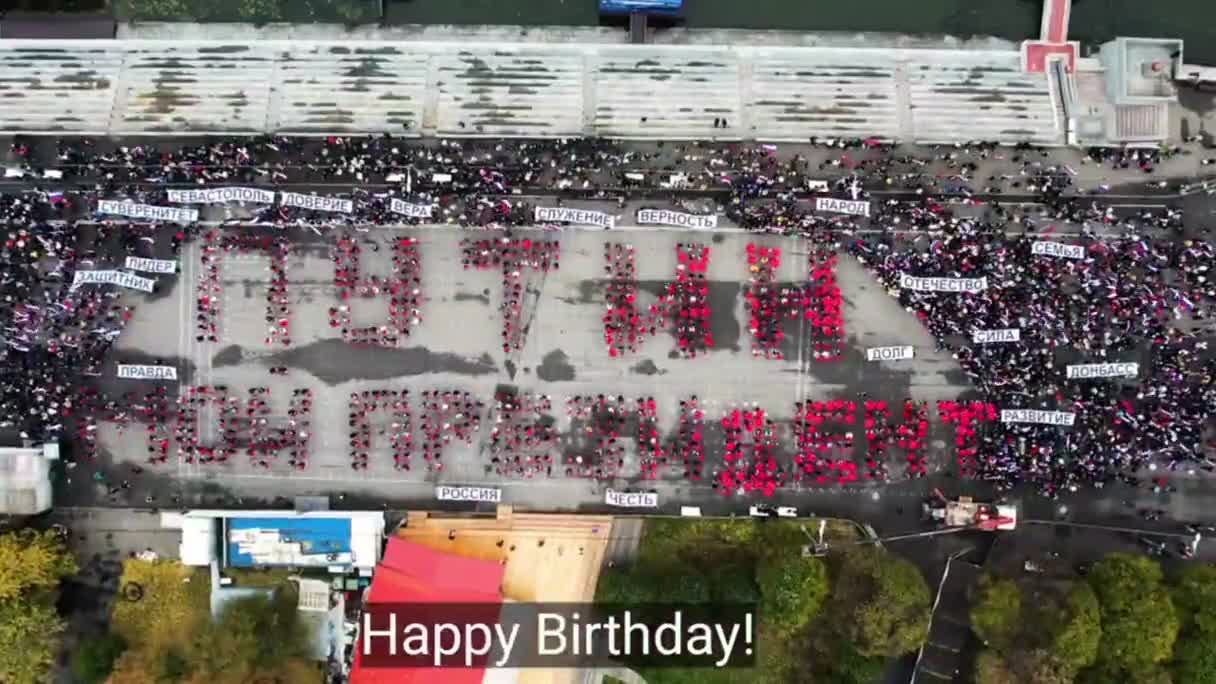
[[705, 539], [259, 578], [167, 630], [252, 11], [174, 601], [726, 553]]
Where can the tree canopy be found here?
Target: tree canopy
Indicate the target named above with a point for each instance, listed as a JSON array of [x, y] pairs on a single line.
[[254, 635], [173, 638], [1195, 661], [625, 585], [1195, 652], [31, 560], [881, 602], [1195, 598], [792, 589], [734, 583], [32, 564], [991, 668], [171, 607], [94, 659], [29, 632], [1139, 621], [997, 611], [1076, 630], [1037, 635]]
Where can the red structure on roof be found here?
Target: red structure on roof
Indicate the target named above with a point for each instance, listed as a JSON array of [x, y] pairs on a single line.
[[413, 573], [1053, 40]]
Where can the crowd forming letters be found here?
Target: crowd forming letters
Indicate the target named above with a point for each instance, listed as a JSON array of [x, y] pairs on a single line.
[[578, 216], [147, 211], [908, 282], [222, 195]]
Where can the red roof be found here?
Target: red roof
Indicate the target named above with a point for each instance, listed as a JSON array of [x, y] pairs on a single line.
[[413, 573]]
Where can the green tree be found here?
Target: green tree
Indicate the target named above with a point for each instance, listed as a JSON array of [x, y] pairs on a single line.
[[991, 668], [625, 585], [1195, 653], [734, 583], [683, 585], [1040, 667], [1152, 675], [1076, 630], [997, 611], [252, 635], [1139, 621], [1195, 597], [847, 666], [32, 563], [792, 589], [94, 659], [31, 560], [29, 638], [1103, 673], [1195, 660], [880, 602]]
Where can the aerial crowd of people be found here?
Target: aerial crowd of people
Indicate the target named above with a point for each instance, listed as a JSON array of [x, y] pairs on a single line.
[[1142, 292]]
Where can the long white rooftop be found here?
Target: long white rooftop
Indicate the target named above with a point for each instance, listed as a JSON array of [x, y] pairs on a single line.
[[522, 89]]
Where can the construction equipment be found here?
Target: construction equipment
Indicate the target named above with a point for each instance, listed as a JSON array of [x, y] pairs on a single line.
[[966, 513]]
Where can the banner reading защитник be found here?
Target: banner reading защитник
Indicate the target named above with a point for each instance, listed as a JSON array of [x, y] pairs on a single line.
[[113, 278]]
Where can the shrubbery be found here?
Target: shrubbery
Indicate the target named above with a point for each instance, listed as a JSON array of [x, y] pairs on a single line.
[[252, 11]]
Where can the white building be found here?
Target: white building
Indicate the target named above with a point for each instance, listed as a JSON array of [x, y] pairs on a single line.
[[25, 479], [340, 541]]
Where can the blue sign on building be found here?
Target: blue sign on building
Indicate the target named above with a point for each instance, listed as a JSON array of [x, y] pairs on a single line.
[[663, 7]]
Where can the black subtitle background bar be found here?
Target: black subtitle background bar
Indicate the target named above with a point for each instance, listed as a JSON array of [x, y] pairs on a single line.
[[526, 649]]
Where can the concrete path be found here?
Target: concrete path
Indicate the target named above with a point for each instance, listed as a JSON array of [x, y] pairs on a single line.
[[624, 541]]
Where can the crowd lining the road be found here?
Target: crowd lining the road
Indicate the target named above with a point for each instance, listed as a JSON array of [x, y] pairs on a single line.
[[1143, 292]]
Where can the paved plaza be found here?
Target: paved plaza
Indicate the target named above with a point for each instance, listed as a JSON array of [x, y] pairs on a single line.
[[457, 347]]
